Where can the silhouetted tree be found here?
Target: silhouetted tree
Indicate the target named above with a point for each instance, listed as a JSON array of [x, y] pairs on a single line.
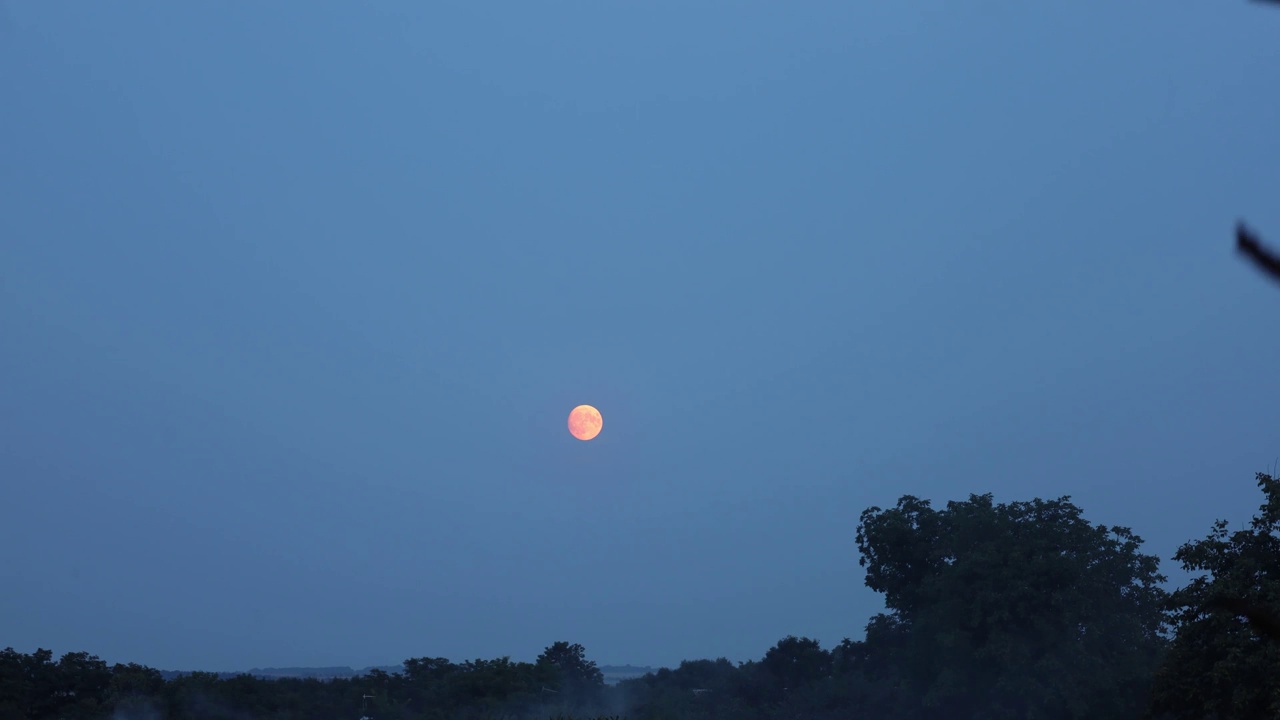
[[1223, 661], [573, 671], [1021, 610]]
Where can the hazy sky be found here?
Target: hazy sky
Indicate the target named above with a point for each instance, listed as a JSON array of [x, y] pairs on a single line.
[[295, 298]]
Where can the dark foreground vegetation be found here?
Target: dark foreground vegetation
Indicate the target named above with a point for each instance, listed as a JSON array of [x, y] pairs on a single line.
[[1022, 611]]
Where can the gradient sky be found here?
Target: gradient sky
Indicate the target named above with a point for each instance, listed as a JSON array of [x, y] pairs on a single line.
[[295, 298]]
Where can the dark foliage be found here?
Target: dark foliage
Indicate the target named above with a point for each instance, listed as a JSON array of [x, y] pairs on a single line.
[[1225, 661], [1020, 610]]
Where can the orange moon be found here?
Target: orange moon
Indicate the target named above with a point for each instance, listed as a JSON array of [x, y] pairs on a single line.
[[585, 422]]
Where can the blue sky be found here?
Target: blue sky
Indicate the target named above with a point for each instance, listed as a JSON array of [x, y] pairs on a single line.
[[295, 299]]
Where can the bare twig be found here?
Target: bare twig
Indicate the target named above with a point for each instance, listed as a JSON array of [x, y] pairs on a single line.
[[1250, 245]]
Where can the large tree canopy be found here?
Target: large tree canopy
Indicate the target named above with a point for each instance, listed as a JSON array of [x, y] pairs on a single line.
[[1226, 664], [573, 671], [1019, 610]]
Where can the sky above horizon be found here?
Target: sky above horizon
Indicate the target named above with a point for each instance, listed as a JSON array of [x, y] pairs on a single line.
[[295, 299]]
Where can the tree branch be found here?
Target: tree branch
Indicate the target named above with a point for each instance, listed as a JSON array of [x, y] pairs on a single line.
[[1251, 246]]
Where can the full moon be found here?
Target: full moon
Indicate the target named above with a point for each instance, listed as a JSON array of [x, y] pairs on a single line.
[[585, 422]]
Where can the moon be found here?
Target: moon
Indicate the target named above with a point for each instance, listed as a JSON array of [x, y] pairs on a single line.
[[585, 422]]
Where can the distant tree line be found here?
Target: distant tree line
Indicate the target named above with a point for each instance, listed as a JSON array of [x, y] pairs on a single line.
[[1022, 610]]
